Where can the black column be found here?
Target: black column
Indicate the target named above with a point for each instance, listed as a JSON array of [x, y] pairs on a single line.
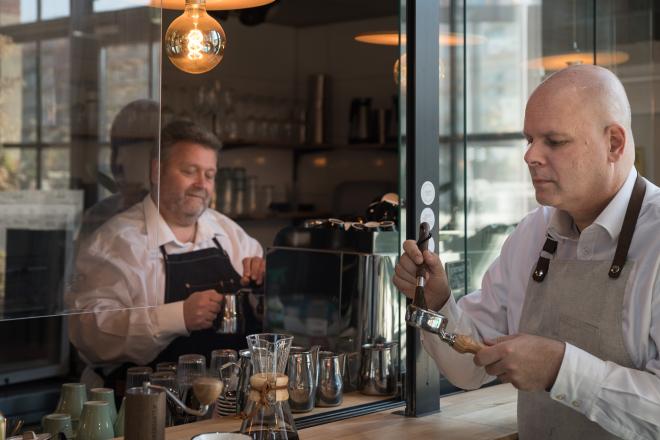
[[422, 159]]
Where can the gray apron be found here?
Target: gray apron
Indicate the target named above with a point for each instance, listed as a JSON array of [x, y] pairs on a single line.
[[581, 303]]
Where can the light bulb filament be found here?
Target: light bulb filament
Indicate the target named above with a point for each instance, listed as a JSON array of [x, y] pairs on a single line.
[[195, 46]]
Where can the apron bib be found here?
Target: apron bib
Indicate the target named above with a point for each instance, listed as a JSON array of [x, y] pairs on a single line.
[[578, 302]]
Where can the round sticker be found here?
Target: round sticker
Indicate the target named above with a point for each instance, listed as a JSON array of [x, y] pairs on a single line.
[[431, 245], [427, 193], [428, 217]]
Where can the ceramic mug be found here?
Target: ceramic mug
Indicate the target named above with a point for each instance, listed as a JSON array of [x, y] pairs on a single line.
[[57, 422], [72, 398], [95, 421], [106, 395], [119, 423]]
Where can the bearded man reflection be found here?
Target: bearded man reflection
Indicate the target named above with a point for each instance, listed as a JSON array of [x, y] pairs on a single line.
[[150, 278]]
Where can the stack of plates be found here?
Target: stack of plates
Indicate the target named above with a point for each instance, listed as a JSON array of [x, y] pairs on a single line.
[[225, 406]]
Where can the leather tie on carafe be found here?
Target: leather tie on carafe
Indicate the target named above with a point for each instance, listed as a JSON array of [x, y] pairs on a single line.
[[263, 397]]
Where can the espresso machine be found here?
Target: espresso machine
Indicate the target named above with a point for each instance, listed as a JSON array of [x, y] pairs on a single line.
[[330, 284]]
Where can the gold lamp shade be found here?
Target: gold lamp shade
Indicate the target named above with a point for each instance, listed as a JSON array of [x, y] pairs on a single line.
[[391, 38], [211, 5], [558, 62]]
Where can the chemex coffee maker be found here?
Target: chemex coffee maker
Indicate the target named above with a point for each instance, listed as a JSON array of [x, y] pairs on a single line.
[[418, 314]]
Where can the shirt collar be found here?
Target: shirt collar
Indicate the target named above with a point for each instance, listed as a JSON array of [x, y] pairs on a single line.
[[159, 232], [611, 218]]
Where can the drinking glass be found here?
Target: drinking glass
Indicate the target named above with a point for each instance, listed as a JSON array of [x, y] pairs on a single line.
[[189, 368], [166, 366], [226, 402], [136, 376]]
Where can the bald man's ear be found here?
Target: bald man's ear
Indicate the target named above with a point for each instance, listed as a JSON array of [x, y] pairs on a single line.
[[616, 137]]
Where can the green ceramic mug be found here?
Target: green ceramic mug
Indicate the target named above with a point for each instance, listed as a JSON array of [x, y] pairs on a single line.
[[72, 398], [95, 421], [56, 423], [107, 395]]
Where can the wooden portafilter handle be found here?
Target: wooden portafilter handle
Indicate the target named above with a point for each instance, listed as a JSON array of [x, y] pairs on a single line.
[[465, 344], [423, 244]]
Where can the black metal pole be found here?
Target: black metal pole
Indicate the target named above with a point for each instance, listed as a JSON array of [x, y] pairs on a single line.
[[422, 171]]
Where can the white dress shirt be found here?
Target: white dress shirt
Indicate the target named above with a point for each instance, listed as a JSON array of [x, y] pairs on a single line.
[[119, 283], [626, 401]]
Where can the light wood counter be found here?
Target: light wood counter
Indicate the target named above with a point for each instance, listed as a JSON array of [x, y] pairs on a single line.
[[486, 414]]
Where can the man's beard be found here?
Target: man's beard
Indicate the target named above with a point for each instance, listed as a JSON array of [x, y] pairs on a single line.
[[187, 211]]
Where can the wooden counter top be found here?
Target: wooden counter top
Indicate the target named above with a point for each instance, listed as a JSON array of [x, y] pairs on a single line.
[[485, 414]]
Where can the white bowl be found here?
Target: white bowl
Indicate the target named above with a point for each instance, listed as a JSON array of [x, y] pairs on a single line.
[[221, 436]]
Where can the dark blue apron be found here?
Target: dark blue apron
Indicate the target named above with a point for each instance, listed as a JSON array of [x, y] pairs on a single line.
[[196, 271]]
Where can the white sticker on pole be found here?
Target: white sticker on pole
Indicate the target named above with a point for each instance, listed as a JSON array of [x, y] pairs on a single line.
[[431, 245], [428, 217], [427, 193]]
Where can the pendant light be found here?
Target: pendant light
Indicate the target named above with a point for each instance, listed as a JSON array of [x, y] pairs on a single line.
[[195, 42], [212, 5], [575, 56], [391, 38]]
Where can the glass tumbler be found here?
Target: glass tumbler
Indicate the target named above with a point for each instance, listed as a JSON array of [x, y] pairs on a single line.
[[190, 367]]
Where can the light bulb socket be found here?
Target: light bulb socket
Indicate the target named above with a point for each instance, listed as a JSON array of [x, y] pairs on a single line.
[[196, 4]]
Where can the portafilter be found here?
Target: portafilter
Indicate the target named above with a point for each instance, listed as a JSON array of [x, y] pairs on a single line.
[[418, 314]]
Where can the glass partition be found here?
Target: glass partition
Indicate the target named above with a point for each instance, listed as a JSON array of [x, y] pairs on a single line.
[[68, 71], [504, 50]]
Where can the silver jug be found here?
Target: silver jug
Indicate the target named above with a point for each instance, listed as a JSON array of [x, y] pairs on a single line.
[[379, 372], [302, 369], [245, 371], [330, 387], [351, 371]]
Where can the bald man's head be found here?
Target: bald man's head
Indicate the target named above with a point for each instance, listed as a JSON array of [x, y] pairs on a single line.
[[597, 91], [581, 149]]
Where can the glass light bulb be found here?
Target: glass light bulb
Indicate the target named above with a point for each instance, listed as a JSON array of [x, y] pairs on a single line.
[[195, 41]]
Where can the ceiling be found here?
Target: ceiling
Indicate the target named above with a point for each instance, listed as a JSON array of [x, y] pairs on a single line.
[[302, 13]]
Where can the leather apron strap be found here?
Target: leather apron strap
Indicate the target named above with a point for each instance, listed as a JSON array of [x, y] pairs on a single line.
[[623, 245]]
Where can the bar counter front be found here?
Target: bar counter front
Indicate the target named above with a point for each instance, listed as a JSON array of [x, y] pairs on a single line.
[[485, 414]]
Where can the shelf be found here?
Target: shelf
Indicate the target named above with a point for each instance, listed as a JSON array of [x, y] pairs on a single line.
[[293, 215], [309, 148]]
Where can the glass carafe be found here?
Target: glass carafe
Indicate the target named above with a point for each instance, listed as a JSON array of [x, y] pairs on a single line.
[[267, 412]]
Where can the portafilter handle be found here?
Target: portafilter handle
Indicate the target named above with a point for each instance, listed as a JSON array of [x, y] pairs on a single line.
[[423, 244]]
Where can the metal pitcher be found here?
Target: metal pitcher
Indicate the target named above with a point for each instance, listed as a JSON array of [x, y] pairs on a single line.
[[243, 389], [302, 369], [229, 320], [330, 388], [379, 372]]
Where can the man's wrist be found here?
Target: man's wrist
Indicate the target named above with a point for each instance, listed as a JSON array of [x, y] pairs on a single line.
[[435, 304]]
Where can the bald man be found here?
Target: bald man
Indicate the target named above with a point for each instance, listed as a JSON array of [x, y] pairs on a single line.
[[570, 311]]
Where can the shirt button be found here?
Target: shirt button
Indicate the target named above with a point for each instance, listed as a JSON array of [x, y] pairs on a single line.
[[576, 403], [560, 396]]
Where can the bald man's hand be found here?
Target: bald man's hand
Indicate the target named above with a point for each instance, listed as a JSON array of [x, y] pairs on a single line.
[[200, 309], [436, 287]]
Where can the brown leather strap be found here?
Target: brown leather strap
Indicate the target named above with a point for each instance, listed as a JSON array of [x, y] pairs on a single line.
[[550, 246], [628, 228]]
